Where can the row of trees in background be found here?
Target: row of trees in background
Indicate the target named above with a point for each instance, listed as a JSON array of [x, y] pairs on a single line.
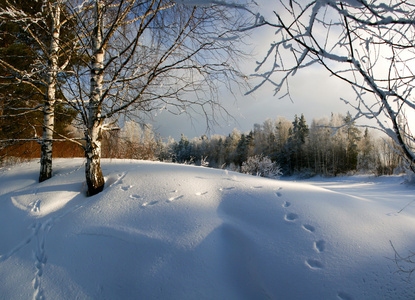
[[328, 146]]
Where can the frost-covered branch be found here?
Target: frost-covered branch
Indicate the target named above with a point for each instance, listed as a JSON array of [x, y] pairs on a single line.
[[367, 44]]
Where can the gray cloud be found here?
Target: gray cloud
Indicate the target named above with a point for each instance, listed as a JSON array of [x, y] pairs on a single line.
[[314, 93]]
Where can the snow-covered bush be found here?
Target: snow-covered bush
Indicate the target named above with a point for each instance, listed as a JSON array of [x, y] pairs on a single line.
[[203, 161], [260, 165]]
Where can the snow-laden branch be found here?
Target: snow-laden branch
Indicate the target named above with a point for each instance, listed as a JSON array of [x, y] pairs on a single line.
[[368, 45]]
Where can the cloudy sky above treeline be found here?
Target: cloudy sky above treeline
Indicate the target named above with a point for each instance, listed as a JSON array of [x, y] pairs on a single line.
[[313, 93]]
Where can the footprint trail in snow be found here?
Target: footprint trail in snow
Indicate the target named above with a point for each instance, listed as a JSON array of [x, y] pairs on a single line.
[[290, 216], [319, 246]]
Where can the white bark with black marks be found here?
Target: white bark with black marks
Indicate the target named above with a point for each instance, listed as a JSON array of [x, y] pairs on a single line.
[[94, 178], [49, 107]]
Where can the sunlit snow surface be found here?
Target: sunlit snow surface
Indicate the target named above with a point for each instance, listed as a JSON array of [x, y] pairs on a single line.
[[166, 231]]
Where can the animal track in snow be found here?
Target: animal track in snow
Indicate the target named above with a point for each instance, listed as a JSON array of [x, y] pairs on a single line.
[[227, 188], [320, 246], [145, 204], [257, 187], [290, 217], [286, 204], [233, 178], [126, 188], [135, 196], [309, 228], [115, 180], [278, 194], [39, 254], [344, 296], [171, 199], [35, 206], [39, 232], [314, 264], [201, 193]]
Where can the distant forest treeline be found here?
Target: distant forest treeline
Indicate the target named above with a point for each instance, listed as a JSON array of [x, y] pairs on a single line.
[[329, 147]]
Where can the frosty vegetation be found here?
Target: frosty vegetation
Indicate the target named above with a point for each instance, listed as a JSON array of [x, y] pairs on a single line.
[[260, 166], [328, 146]]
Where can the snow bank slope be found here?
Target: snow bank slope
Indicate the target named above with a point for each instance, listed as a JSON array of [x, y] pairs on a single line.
[[164, 231]]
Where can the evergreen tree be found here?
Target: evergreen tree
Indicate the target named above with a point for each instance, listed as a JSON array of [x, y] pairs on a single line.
[[220, 153], [296, 142], [242, 150], [366, 157], [183, 149], [353, 136]]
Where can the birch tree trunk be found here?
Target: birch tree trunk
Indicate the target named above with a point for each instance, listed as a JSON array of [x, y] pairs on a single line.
[[140, 46], [94, 178], [49, 107]]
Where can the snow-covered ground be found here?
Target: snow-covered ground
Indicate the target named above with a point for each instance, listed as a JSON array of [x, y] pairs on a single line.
[[165, 231]]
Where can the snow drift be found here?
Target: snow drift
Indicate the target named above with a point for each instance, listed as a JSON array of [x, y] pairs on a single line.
[[165, 231]]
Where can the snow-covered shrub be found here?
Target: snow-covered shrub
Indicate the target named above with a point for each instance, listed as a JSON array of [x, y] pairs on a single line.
[[260, 165], [203, 161]]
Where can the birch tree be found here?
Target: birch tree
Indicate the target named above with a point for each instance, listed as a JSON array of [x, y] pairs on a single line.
[[367, 43], [51, 78], [41, 23], [146, 56]]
